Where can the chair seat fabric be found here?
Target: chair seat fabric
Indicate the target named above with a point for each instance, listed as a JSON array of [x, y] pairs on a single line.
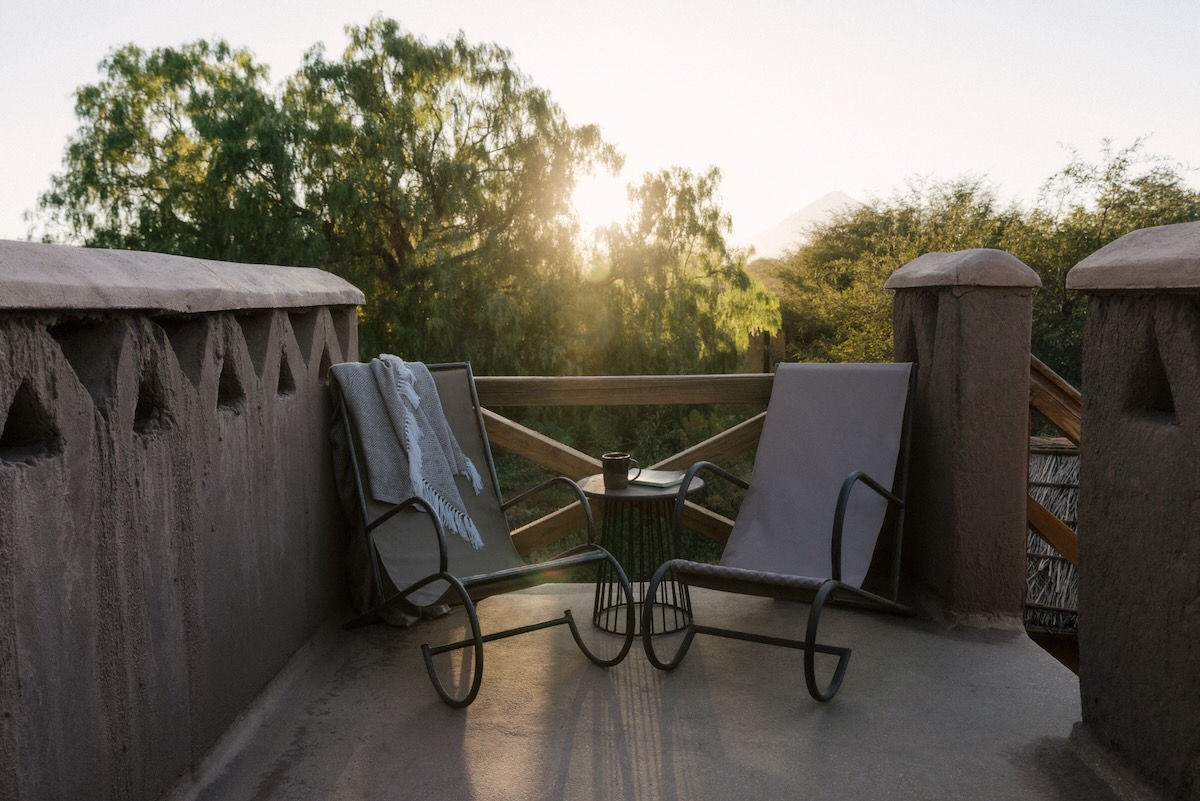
[[824, 422], [746, 582]]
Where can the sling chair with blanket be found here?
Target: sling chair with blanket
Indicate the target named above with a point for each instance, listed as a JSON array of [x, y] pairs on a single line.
[[415, 471], [829, 473]]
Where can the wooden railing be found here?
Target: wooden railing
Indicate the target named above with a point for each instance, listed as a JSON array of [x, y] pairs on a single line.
[[1049, 395], [1061, 405], [516, 391]]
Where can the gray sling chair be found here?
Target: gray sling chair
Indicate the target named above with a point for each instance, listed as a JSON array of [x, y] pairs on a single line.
[[417, 567], [831, 464]]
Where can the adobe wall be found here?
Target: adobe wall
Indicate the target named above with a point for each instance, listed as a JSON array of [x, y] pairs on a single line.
[[169, 533], [1139, 503], [965, 319]]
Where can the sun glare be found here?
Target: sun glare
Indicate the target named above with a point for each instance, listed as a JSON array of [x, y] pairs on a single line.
[[600, 201]]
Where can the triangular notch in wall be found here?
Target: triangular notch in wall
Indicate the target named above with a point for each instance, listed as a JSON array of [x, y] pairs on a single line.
[[287, 381], [1150, 395], [29, 432], [326, 363], [150, 416], [231, 392]]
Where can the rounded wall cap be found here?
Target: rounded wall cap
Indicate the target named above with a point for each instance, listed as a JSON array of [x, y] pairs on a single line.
[[39, 276], [1163, 257], [975, 267]]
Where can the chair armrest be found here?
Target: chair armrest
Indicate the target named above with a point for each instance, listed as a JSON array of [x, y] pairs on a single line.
[[574, 488], [839, 514], [419, 503], [681, 497]]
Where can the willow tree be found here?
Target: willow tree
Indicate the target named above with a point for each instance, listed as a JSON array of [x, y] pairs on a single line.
[[667, 293], [441, 179], [664, 294]]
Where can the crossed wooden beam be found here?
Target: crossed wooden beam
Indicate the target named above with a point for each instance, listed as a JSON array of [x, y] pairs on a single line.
[[505, 391]]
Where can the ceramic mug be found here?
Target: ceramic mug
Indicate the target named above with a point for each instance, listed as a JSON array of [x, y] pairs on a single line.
[[616, 465]]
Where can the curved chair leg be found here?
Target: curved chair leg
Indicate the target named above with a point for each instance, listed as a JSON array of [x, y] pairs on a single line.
[[648, 622], [812, 648], [626, 588], [475, 642]]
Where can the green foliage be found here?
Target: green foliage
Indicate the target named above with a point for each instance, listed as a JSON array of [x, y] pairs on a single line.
[[666, 294], [179, 151], [1082, 208], [835, 307], [835, 304], [441, 180]]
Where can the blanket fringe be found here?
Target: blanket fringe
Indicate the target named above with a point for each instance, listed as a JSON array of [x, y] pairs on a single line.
[[452, 518]]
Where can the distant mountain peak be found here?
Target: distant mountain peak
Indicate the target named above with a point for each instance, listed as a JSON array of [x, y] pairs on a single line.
[[793, 230]]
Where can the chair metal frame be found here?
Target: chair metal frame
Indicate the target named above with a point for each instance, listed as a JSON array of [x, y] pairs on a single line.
[[467, 591], [815, 591]]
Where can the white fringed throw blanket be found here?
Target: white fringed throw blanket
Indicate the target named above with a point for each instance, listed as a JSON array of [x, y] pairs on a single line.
[[405, 410]]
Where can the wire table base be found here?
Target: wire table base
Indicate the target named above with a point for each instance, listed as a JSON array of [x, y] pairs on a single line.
[[637, 531]]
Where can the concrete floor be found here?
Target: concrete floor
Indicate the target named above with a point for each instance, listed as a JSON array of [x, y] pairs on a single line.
[[925, 713]]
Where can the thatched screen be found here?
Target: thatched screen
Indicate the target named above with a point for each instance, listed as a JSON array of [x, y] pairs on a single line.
[[1051, 600]]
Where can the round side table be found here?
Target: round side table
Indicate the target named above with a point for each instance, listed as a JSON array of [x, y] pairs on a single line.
[[636, 530]]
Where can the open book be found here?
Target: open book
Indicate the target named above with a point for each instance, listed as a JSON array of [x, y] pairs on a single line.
[[659, 478]]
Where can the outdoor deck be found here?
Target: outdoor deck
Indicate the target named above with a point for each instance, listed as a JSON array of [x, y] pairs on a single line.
[[925, 713], [172, 538]]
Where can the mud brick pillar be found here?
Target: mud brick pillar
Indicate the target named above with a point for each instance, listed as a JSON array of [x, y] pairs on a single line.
[[965, 318], [1139, 504]]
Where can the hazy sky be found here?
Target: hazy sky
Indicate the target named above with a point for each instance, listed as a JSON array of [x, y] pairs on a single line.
[[789, 99]]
